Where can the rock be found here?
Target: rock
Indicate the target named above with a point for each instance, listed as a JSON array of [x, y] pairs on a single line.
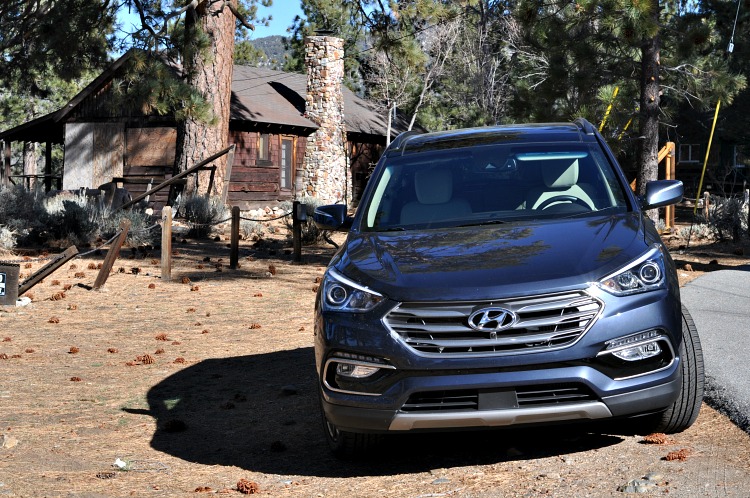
[[550, 475], [637, 486], [441, 480], [8, 442]]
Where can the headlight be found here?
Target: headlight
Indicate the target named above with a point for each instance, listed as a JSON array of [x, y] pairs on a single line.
[[642, 275], [341, 294]]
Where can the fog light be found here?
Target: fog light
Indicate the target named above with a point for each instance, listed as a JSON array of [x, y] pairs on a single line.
[[635, 347], [640, 352], [355, 371]]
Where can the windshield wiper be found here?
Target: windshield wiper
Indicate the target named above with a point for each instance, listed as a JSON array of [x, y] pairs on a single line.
[[482, 223]]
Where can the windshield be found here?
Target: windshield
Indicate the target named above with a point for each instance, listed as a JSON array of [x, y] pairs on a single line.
[[492, 184]]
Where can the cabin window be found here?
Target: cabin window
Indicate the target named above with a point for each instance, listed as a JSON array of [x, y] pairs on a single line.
[[689, 153], [263, 147], [287, 162]]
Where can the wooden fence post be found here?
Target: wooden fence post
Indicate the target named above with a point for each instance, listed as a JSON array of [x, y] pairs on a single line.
[[234, 248], [747, 203], [299, 213], [706, 202], [114, 251], [166, 243]]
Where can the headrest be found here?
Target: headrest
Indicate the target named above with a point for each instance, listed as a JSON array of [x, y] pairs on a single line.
[[560, 174], [434, 186]]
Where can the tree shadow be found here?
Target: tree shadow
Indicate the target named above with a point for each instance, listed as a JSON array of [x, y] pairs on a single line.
[[260, 413]]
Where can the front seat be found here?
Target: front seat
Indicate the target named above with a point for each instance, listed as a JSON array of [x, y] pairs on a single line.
[[560, 179], [435, 201]]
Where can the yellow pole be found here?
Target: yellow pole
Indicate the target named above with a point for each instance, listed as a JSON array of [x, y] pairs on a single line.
[[625, 128], [609, 108], [705, 161]]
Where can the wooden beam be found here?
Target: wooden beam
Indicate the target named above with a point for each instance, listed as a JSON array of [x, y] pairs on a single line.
[[234, 246], [47, 269], [227, 176], [166, 243], [114, 251]]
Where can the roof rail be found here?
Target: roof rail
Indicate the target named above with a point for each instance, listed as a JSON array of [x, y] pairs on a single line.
[[396, 143], [585, 126]]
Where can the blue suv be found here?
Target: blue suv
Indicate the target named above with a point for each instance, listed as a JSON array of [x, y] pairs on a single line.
[[500, 276]]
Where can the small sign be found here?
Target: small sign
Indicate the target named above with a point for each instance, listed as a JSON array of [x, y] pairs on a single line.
[[2, 284]]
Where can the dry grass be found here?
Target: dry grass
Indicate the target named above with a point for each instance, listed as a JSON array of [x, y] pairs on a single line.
[[213, 391]]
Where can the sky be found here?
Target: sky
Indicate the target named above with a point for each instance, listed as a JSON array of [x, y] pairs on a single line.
[[283, 13]]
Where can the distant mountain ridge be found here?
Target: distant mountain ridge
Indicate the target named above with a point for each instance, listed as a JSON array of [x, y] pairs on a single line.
[[273, 47]]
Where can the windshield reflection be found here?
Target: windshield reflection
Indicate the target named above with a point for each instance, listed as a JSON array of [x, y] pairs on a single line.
[[492, 184]]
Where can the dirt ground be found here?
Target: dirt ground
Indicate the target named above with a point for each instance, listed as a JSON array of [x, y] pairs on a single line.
[[205, 385]]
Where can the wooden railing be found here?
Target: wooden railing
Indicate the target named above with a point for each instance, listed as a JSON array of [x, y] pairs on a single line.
[[667, 154], [229, 151]]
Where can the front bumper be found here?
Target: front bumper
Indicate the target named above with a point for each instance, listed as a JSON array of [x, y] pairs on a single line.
[[422, 392], [362, 418]]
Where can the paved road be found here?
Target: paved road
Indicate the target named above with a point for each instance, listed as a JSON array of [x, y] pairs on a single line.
[[720, 305]]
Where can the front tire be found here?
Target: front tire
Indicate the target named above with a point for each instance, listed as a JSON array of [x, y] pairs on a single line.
[[346, 444], [684, 411]]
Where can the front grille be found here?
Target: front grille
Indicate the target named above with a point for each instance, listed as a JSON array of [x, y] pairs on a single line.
[[543, 322], [521, 397], [459, 400], [554, 394]]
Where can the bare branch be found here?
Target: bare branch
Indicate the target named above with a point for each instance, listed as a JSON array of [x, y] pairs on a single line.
[[240, 18]]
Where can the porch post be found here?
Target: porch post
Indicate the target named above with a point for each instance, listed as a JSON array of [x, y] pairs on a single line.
[[48, 167], [6, 166]]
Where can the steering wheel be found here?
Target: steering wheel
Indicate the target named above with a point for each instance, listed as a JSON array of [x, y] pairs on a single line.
[[563, 198]]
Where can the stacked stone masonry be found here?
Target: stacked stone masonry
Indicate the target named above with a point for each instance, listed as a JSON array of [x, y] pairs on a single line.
[[325, 174]]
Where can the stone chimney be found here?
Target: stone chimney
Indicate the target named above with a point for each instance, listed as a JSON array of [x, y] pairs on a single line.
[[325, 172]]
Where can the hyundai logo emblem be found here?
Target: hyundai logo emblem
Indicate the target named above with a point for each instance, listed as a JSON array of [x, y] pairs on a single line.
[[492, 319]]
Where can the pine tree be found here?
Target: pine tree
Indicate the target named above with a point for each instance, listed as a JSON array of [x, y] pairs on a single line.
[[202, 35]]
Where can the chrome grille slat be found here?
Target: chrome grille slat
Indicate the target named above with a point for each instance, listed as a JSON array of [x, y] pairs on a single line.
[[544, 304], [543, 322], [573, 317], [504, 341], [433, 328]]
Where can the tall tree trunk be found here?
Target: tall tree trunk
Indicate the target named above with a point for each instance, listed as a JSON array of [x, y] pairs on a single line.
[[209, 70], [649, 114]]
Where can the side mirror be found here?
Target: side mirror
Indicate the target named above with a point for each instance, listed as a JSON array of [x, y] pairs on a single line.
[[662, 193], [332, 217]]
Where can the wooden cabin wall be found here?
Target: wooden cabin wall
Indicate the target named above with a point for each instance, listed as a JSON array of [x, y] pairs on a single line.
[[255, 182], [149, 160]]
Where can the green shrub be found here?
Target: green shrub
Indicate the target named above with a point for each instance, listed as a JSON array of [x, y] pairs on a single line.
[[727, 217], [65, 218], [249, 228], [142, 231], [202, 214], [7, 239], [18, 207]]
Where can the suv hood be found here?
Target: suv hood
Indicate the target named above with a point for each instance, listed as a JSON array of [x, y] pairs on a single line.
[[484, 262]]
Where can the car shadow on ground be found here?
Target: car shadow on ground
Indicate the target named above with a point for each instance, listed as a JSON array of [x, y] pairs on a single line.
[[260, 413]]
